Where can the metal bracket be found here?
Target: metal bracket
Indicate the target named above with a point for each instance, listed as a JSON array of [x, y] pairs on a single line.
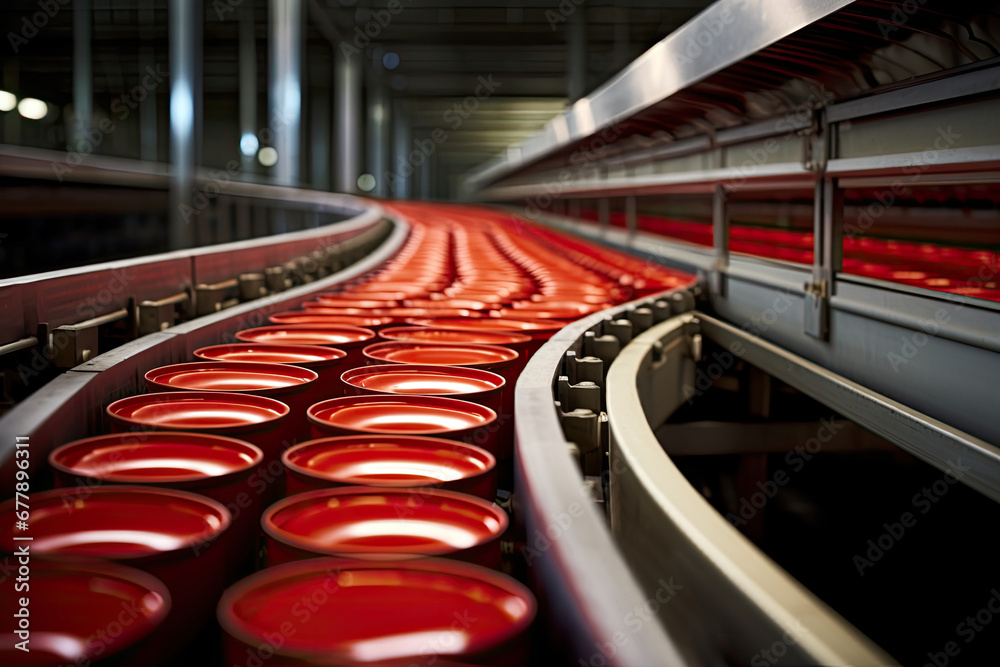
[[159, 315], [73, 344], [213, 298], [816, 309]]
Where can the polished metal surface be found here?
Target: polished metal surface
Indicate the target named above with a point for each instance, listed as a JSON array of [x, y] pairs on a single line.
[[285, 87], [722, 35], [569, 548], [735, 601], [71, 406], [932, 351], [185, 53], [347, 118]]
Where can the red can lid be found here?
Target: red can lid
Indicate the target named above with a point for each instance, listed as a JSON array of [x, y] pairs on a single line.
[[360, 521], [413, 334], [307, 334], [187, 410], [413, 415], [441, 354], [422, 380], [235, 376], [73, 600], [116, 522], [155, 457], [383, 611], [388, 460], [300, 355]]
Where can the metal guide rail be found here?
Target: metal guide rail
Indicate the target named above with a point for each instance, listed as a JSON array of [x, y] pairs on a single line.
[[734, 598], [57, 320], [71, 405], [606, 616]]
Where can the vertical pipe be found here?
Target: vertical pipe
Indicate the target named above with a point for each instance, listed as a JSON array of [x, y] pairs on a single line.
[[347, 109], [425, 177], [400, 177], [318, 79], [249, 141], [630, 214], [720, 239], [285, 84], [604, 212], [148, 149], [83, 82], [185, 50], [378, 138]]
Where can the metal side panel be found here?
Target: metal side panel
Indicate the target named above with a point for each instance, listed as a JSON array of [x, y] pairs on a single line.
[[939, 444], [732, 601], [11, 314], [570, 552], [933, 351], [72, 405], [61, 411], [674, 63], [219, 327], [226, 261]]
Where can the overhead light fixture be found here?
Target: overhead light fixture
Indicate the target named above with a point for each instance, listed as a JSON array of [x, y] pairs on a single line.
[[7, 100], [32, 109], [267, 156], [249, 144], [366, 182]]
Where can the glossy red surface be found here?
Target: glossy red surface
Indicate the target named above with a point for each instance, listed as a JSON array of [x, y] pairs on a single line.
[[163, 457], [361, 521], [488, 324], [72, 602], [388, 460], [443, 354], [413, 334], [234, 376], [426, 380], [317, 316], [423, 596], [116, 522], [415, 415], [190, 410], [300, 355], [307, 334]]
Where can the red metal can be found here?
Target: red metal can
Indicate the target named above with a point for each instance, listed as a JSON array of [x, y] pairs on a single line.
[[383, 524], [258, 420], [294, 386], [407, 415], [378, 612], [341, 336], [178, 537], [327, 362], [467, 384], [224, 469], [86, 612], [390, 461], [519, 342], [501, 360]]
